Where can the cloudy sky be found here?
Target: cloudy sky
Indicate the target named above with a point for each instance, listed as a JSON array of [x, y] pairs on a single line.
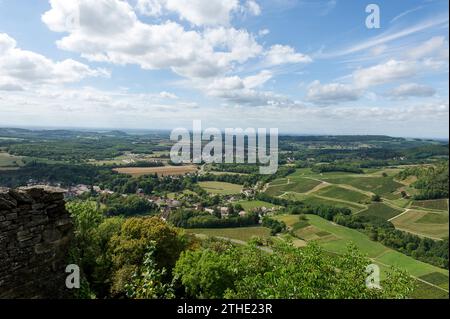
[[302, 66]]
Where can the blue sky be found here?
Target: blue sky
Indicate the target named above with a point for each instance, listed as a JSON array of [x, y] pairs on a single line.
[[302, 66]]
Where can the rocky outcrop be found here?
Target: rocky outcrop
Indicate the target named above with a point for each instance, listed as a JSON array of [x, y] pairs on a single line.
[[35, 235]]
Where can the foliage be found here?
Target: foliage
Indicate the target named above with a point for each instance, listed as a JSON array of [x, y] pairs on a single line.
[[248, 272], [148, 281]]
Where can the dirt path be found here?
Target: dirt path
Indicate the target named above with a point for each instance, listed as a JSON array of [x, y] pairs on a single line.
[[317, 188], [391, 219]]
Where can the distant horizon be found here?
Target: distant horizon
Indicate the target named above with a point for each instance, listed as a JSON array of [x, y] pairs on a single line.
[[168, 130]]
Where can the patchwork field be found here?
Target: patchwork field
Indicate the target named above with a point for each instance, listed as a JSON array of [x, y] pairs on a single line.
[[298, 185], [221, 188], [240, 233], [381, 210], [384, 186], [424, 223], [343, 194], [252, 204], [438, 204], [161, 171], [335, 238], [9, 161]]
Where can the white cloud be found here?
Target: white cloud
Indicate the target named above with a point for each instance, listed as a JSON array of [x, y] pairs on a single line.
[[389, 36], [253, 7], [436, 46], [284, 54], [168, 45], [168, 95], [263, 32], [332, 93], [21, 67], [411, 90], [199, 12], [245, 91], [150, 7], [384, 73]]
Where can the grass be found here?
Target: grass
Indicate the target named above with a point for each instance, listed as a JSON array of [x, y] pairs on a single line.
[[424, 223], [343, 194], [161, 171], [438, 204], [384, 186], [381, 255], [425, 291], [221, 188], [239, 233], [299, 185], [314, 201], [249, 205], [380, 210], [8, 160], [342, 235]]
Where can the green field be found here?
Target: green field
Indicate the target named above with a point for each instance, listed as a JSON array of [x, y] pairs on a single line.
[[314, 201], [252, 204], [7, 160], [343, 194], [380, 210], [438, 204], [239, 233], [221, 188], [335, 238], [384, 186], [424, 223], [298, 185]]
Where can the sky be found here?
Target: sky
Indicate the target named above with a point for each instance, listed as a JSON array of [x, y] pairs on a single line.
[[302, 66]]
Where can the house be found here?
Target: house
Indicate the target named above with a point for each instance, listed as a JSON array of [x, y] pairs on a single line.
[[209, 210], [224, 212], [242, 213]]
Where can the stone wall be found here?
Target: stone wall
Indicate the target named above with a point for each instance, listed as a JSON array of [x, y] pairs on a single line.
[[35, 235]]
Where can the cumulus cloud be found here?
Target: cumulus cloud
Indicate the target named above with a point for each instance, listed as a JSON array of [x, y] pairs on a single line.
[[385, 73], [21, 67], [199, 12], [332, 93], [411, 90], [110, 31], [245, 91], [284, 54]]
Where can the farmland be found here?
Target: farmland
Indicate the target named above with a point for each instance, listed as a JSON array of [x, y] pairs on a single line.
[[299, 185], [160, 171], [221, 188], [240, 233], [252, 204], [423, 223], [335, 238], [9, 161], [437, 204], [381, 210]]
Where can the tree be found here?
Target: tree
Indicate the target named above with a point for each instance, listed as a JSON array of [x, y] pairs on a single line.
[[376, 198], [246, 272], [148, 281], [130, 245]]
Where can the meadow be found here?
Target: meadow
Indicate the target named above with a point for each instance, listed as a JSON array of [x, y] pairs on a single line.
[[438, 204], [240, 233], [160, 171], [424, 223], [381, 210], [221, 188]]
